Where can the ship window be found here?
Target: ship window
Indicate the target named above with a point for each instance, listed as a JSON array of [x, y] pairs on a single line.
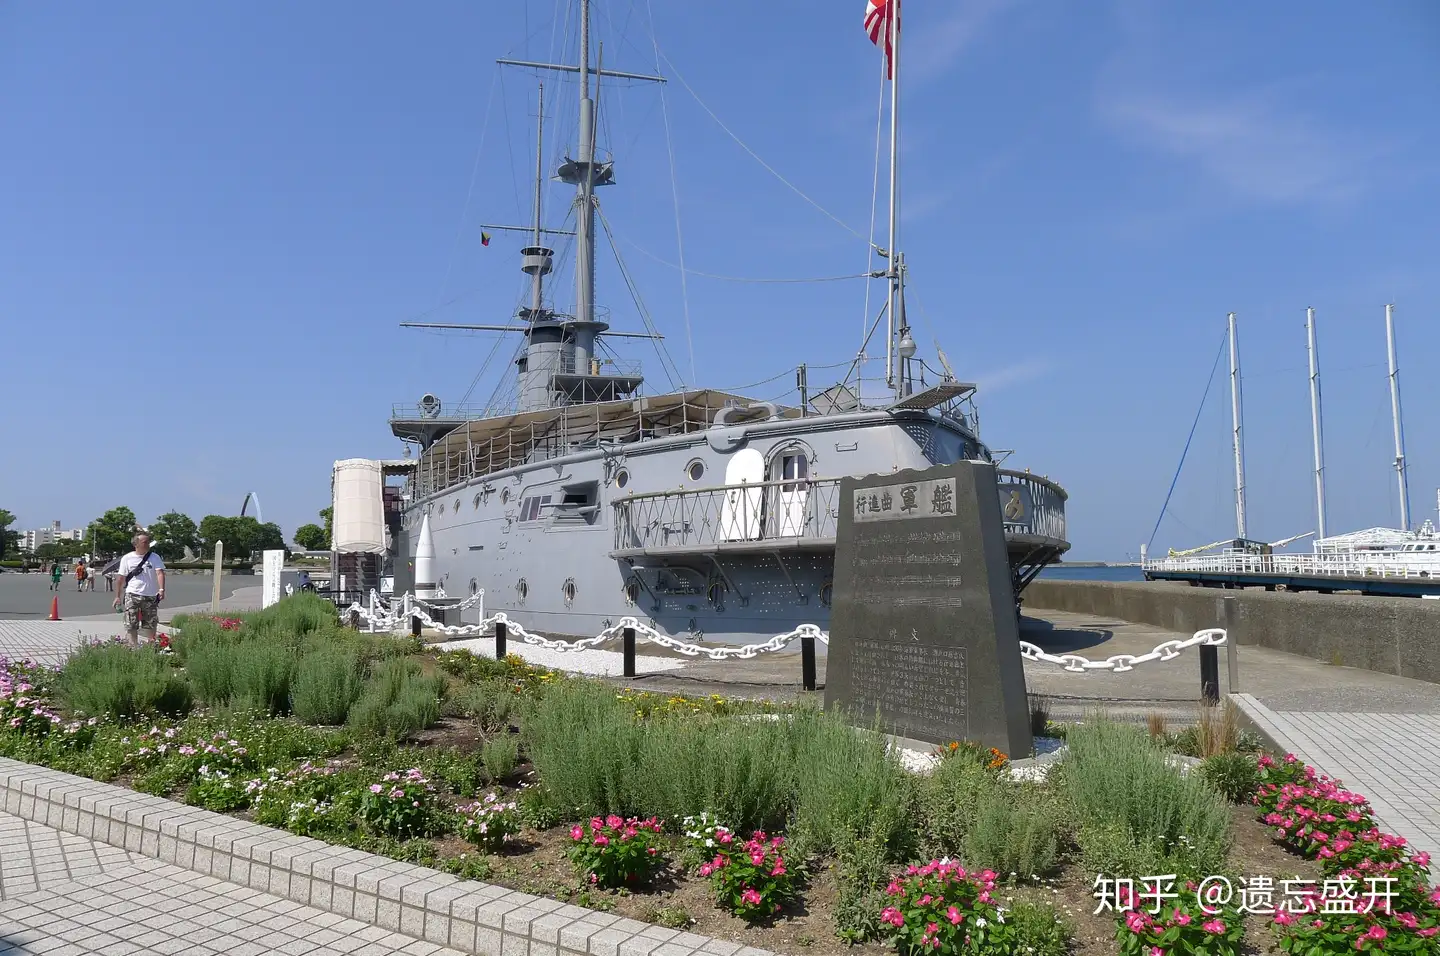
[[577, 504], [696, 470], [530, 507], [795, 469], [622, 478]]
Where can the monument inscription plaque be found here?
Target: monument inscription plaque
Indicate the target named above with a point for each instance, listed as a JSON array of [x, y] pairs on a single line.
[[923, 633]]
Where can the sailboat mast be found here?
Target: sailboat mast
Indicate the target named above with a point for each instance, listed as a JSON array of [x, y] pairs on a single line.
[[1237, 435], [1400, 469], [585, 218], [893, 307], [1315, 426]]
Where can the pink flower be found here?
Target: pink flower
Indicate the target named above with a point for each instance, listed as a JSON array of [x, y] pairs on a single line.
[[706, 869], [892, 916], [614, 822], [954, 916], [376, 788], [1283, 918], [750, 896], [1213, 926], [601, 840], [1375, 932], [778, 869], [894, 889], [577, 832]]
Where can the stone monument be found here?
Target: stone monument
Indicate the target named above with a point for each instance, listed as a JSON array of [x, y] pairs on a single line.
[[923, 634]]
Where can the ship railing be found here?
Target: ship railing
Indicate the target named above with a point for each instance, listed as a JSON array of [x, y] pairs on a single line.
[[1328, 564], [439, 412], [1030, 504], [779, 511], [608, 366]]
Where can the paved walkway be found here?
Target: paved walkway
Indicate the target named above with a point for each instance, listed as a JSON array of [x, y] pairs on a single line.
[[62, 895], [1389, 758]]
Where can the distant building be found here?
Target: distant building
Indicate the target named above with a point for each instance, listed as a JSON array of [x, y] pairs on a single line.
[[31, 540]]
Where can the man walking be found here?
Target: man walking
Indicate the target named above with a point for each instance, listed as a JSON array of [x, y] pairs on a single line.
[[140, 590], [55, 573]]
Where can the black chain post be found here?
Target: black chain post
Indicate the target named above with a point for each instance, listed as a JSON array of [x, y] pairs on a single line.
[[807, 662], [415, 625], [499, 640], [629, 638], [1210, 673]]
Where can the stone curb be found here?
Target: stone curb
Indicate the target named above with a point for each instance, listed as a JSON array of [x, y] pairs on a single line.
[[402, 897]]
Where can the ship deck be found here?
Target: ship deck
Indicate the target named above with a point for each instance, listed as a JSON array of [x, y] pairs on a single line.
[[1273, 580]]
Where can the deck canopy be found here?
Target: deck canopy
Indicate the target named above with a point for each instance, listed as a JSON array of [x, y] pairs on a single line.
[[488, 445]]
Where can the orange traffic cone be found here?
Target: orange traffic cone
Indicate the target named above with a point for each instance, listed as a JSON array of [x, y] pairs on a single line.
[[55, 608]]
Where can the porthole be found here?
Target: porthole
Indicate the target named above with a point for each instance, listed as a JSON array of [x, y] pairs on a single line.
[[715, 593], [522, 589], [631, 590], [474, 587], [504, 496], [456, 509], [696, 470], [477, 501], [827, 593], [567, 591], [622, 478]]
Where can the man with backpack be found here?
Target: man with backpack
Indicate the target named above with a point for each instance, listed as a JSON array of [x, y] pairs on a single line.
[[140, 590]]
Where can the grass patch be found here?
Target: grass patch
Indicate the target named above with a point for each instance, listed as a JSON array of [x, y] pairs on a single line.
[[327, 683], [398, 701], [1136, 811], [112, 680]]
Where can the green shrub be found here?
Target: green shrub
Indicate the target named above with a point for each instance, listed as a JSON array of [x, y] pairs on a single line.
[[1039, 930], [500, 756], [948, 800], [264, 670], [489, 702], [117, 681], [326, 684], [1015, 831], [398, 701], [1235, 775], [1136, 811], [211, 665], [863, 868], [810, 770]]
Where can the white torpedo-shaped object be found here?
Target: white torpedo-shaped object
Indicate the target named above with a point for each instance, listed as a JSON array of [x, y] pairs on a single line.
[[425, 561]]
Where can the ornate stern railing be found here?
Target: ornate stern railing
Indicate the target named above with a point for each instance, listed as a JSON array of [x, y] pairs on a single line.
[[759, 516], [765, 516]]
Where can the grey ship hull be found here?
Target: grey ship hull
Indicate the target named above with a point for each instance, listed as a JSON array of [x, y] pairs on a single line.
[[653, 529]]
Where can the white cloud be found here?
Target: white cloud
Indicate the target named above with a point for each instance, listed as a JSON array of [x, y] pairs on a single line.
[[1009, 376], [1254, 143], [931, 46]]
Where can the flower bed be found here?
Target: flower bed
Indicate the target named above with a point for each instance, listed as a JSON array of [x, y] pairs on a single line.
[[614, 799]]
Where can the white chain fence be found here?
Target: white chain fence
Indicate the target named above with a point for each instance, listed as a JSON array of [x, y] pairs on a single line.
[[1120, 663], [385, 616]]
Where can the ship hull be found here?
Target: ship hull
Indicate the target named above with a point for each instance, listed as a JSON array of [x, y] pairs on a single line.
[[570, 545]]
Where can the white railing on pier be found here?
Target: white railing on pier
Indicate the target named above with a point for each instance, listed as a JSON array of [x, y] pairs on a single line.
[[1337, 565]]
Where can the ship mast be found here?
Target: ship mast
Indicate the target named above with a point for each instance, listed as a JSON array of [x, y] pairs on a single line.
[[1315, 425], [1237, 433], [898, 343], [1400, 469]]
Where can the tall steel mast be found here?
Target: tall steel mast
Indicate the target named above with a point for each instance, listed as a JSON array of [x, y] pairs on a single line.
[[1237, 435], [1400, 468], [1316, 427]]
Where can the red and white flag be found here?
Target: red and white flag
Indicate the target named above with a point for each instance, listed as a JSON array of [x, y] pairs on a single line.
[[878, 17]]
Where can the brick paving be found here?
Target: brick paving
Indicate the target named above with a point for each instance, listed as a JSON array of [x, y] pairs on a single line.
[[64, 895], [50, 642], [1389, 758]]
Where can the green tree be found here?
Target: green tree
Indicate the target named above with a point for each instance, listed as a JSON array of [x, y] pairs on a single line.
[[174, 532], [215, 528], [61, 550], [112, 531], [328, 515], [312, 537], [8, 543], [268, 537]]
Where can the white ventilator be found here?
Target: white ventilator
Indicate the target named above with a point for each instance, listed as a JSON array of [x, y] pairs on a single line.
[[425, 561]]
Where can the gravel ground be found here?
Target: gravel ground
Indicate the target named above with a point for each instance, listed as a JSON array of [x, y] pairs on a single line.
[[593, 662]]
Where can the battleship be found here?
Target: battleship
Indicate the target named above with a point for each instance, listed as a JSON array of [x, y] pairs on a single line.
[[705, 513]]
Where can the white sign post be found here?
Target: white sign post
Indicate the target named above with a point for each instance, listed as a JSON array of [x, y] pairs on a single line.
[[274, 564]]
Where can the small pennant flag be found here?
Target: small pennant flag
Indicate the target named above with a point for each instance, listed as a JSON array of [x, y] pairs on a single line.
[[878, 17], [484, 238]]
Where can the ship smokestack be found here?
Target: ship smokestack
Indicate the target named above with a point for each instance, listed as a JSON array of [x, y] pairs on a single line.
[[425, 561]]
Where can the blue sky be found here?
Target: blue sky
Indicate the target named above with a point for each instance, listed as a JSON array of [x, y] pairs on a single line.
[[215, 216]]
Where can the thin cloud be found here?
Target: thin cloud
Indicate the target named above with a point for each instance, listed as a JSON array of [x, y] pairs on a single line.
[[929, 52], [1251, 143], [1009, 376]]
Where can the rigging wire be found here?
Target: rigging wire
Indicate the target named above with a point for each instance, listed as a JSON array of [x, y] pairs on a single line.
[[470, 192], [674, 199], [1173, 481], [773, 378], [710, 275], [874, 203], [754, 155], [666, 362]]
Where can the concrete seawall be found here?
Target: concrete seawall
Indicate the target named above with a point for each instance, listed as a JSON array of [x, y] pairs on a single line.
[[1398, 636]]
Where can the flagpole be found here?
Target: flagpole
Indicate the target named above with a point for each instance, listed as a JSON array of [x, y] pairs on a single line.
[[893, 306]]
